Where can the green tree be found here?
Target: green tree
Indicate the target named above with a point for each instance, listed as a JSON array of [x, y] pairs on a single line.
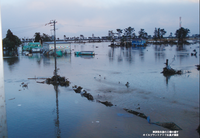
[[119, 31], [158, 34], [129, 33], [162, 32], [38, 37], [155, 36], [11, 42], [181, 34], [143, 34], [45, 37]]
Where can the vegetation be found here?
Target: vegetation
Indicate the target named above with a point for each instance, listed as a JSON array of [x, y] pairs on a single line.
[[44, 37], [158, 34], [143, 34], [129, 33], [38, 37], [181, 34], [10, 43]]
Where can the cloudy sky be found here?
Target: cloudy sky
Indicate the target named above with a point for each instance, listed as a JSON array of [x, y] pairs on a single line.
[[87, 17]]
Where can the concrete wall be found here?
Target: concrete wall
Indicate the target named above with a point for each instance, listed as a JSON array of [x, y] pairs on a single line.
[[3, 122]]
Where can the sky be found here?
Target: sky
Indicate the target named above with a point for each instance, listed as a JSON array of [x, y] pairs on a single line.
[[86, 17]]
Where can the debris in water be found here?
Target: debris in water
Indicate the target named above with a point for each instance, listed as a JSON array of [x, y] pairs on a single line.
[[198, 67], [106, 103], [57, 80], [136, 113], [12, 99], [24, 85], [198, 129], [88, 96], [83, 93], [148, 120], [168, 125], [170, 71], [127, 84], [40, 81], [78, 90]]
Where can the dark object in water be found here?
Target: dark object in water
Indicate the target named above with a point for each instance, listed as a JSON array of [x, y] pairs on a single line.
[[57, 80], [170, 71], [136, 113], [127, 84], [106, 103], [83, 92], [78, 90], [198, 129], [88, 96], [24, 85], [40, 81], [198, 67], [168, 125]]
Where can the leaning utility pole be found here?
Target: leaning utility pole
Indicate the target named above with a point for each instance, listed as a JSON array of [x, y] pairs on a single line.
[[54, 29]]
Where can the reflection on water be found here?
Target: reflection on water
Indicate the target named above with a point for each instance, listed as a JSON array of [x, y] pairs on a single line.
[[57, 122], [164, 98], [11, 60]]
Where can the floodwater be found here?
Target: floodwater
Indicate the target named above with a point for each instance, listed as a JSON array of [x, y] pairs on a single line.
[[42, 110]]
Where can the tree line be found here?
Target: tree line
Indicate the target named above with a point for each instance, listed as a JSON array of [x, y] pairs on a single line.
[[11, 41], [129, 34]]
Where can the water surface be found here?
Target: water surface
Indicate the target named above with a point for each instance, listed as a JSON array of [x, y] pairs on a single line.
[[41, 110]]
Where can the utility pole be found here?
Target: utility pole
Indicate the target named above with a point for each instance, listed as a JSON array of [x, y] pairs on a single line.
[[53, 23]]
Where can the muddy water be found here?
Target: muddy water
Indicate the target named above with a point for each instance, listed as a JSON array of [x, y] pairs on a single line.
[[41, 110]]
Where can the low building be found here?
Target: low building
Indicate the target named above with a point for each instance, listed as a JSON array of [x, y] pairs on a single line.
[[32, 46], [63, 46], [138, 41]]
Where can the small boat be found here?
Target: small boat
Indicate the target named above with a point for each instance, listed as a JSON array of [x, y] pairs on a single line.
[[84, 53]]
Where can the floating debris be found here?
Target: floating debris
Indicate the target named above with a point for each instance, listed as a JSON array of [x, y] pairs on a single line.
[[12, 99], [198, 67], [57, 80], [77, 90], [83, 93], [40, 81], [24, 85], [170, 71], [88, 96], [106, 103], [136, 113], [127, 84], [198, 129], [168, 125]]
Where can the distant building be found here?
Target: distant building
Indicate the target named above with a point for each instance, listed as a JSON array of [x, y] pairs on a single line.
[[138, 41], [63, 46], [31, 45]]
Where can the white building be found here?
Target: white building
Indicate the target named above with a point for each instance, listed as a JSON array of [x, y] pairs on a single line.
[[65, 47]]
